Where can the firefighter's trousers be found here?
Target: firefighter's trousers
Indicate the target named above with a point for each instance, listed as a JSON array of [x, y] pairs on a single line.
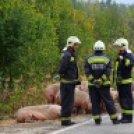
[[67, 101], [96, 94], [126, 102]]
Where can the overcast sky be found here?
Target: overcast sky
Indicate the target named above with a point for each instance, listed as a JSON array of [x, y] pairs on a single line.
[[125, 1]]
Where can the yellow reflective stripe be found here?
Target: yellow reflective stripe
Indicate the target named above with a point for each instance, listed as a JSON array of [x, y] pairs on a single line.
[[127, 111], [126, 81], [66, 81], [122, 110], [97, 60], [115, 71], [96, 116], [106, 83], [116, 66], [90, 84], [104, 77], [113, 116], [127, 62], [90, 77], [65, 118], [71, 59]]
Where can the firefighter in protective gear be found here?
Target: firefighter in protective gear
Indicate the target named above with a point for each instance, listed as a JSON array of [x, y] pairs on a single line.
[[118, 41], [123, 80], [68, 79], [97, 69]]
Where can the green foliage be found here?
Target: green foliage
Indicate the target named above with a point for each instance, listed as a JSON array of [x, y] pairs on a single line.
[[4, 107], [27, 45], [33, 33]]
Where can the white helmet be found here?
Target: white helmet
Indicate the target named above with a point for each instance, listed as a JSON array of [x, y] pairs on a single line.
[[99, 45], [123, 43], [73, 39]]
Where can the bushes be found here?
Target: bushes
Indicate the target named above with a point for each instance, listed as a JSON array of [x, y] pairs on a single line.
[[27, 44], [33, 33]]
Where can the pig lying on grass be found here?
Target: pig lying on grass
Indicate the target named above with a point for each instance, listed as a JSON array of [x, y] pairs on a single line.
[[40, 112]]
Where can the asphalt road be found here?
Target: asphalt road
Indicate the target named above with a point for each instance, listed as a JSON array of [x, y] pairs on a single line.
[[89, 127]]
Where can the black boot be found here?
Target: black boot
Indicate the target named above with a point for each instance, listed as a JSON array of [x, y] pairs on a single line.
[[67, 123], [98, 121], [115, 121], [125, 121], [123, 117]]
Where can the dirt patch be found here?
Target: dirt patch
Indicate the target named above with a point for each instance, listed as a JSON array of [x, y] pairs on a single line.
[[7, 122]]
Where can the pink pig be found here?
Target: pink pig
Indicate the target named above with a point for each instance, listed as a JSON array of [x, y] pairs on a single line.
[[51, 91], [83, 86], [81, 101], [39, 112]]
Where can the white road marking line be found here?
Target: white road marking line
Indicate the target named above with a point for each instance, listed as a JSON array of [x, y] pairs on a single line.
[[77, 125]]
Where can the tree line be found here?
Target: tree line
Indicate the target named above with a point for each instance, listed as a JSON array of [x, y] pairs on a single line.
[[34, 32]]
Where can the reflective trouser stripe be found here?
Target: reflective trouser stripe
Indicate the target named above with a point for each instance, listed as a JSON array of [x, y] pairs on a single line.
[[113, 116], [128, 112], [96, 117], [65, 118]]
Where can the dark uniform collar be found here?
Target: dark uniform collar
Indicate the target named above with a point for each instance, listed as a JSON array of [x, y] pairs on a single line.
[[98, 52]]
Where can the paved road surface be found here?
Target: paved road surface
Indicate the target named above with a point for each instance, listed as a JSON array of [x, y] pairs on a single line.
[[106, 127]]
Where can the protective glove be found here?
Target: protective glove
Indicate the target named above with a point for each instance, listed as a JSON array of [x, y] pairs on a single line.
[[98, 83], [56, 77]]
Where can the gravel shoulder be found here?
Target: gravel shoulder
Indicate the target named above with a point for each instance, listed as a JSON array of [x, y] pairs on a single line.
[[10, 126]]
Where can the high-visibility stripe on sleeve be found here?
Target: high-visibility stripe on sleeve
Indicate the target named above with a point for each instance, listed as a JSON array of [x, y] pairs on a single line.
[[127, 62], [106, 83], [115, 71], [71, 59], [104, 77]]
